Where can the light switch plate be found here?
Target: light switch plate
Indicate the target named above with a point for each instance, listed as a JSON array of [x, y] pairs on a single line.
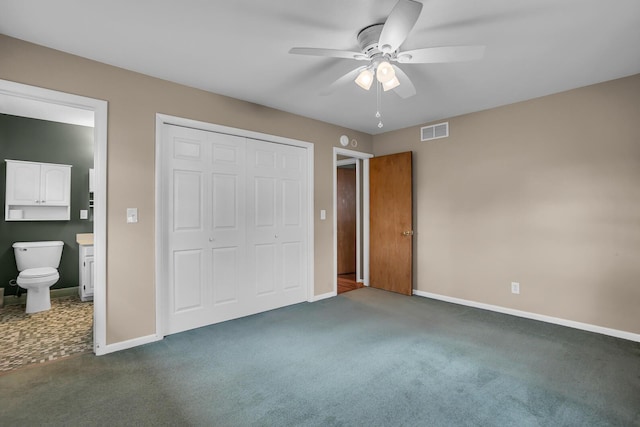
[[84, 214], [323, 214], [132, 215]]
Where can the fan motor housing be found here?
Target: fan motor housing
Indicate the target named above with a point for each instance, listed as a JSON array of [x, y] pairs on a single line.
[[368, 39]]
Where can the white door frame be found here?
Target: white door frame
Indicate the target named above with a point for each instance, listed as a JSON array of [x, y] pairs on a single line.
[[161, 220], [362, 275], [99, 108]]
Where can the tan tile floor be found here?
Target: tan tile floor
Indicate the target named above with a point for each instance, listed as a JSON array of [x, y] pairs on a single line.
[[64, 330]]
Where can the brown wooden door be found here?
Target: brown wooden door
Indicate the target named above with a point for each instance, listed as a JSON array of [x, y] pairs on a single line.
[[391, 223], [346, 220]]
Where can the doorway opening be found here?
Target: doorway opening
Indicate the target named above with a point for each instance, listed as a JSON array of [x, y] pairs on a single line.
[[351, 219], [29, 101]]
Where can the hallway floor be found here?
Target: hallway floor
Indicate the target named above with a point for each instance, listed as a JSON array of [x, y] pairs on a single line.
[[27, 339], [347, 282]]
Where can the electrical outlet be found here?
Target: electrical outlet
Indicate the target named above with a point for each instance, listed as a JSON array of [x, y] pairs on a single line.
[[515, 287]]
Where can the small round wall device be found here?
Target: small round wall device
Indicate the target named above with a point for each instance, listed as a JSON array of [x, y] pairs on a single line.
[[344, 140]]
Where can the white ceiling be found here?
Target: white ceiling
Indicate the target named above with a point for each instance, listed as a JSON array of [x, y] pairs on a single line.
[[239, 48]]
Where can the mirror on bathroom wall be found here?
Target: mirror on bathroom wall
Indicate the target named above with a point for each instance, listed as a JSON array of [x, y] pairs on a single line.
[[92, 178]]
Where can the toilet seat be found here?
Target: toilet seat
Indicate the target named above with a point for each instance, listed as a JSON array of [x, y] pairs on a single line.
[[36, 273]]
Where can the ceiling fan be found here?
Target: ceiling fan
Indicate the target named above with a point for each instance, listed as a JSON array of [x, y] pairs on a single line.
[[380, 44]]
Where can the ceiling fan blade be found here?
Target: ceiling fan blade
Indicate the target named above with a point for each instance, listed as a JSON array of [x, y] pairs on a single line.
[[347, 78], [433, 55], [333, 53], [398, 25], [406, 89]]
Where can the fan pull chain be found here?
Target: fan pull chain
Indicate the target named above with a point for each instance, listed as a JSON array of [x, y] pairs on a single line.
[[379, 104]]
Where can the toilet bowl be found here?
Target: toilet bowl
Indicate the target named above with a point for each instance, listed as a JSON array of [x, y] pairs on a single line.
[[38, 263], [37, 282]]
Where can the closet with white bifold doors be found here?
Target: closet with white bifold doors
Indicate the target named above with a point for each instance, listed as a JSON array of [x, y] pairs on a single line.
[[234, 224]]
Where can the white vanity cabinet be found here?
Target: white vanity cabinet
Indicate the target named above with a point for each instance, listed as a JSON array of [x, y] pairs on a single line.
[[37, 191], [85, 287]]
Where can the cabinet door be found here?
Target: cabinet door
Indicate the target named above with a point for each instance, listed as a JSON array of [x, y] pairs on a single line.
[[55, 183], [23, 184], [87, 283]]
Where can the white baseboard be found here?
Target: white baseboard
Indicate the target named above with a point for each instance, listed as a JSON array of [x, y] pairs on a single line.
[[555, 320], [123, 345], [320, 297]]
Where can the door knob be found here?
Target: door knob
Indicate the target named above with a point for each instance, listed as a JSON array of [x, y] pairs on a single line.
[[407, 233]]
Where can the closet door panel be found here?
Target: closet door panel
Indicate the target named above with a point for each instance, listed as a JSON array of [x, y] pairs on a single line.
[[292, 265], [188, 268], [264, 205], [291, 203], [185, 187], [226, 231], [226, 281], [265, 273], [280, 274], [236, 227], [188, 198]]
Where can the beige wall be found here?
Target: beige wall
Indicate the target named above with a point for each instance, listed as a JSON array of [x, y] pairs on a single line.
[[134, 99], [544, 192]]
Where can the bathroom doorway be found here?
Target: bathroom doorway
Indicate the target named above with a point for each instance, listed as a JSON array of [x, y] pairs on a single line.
[[24, 103]]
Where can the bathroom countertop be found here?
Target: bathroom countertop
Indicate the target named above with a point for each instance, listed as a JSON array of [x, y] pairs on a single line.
[[84, 239]]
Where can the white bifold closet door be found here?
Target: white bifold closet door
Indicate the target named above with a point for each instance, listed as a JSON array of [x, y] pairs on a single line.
[[236, 226]]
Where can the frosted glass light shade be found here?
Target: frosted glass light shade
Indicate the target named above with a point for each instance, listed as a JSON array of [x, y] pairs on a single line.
[[365, 79], [394, 82], [385, 72]]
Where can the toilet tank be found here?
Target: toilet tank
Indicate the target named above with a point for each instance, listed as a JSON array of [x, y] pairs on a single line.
[[37, 254]]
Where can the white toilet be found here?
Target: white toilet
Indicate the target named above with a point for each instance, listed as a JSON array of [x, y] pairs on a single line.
[[37, 263]]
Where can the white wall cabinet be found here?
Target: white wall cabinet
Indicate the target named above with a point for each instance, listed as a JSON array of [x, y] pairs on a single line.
[[37, 191], [85, 287]]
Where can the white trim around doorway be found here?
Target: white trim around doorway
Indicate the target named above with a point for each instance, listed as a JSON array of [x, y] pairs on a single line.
[[363, 185], [99, 108]]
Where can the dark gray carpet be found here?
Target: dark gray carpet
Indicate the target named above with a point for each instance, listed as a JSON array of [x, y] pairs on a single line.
[[365, 358]]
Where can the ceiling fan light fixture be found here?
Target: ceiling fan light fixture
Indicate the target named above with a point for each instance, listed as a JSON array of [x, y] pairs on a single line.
[[394, 82], [365, 79], [385, 72]]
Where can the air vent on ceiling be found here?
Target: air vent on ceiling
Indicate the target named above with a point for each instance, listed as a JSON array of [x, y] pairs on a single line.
[[441, 130]]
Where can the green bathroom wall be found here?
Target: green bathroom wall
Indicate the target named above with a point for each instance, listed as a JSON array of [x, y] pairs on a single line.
[[48, 142]]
